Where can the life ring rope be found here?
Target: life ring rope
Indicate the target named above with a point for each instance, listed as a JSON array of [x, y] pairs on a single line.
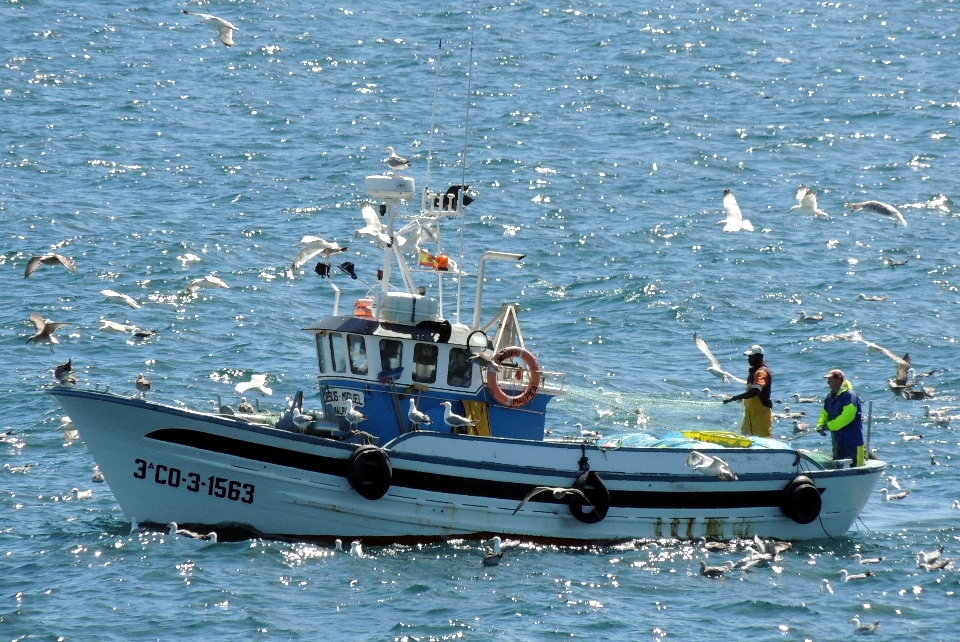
[[533, 383]]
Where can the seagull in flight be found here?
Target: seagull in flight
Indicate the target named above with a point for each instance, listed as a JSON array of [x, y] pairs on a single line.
[[394, 162], [883, 209], [807, 203], [258, 381], [373, 229], [48, 259], [116, 297], [45, 330], [224, 28], [714, 368], [558, 493], [712, 466], [208, 281], [312, 246], [734, 221]]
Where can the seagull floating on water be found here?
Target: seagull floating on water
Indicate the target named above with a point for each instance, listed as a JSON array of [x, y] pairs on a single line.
[[712, 571], [49, 259], [355, 549], [97, 476], [929, 558], [45, 330], [69, 430], [258, 381], [394, 162], [113, 326], [494, 555], [175, 529], [224, 28], [17, 470], [734, 222], [416, 417], [799, 399], [453, 420], [809, 318], [81, 494], [907, 437], [901, 495], [867, 560], [825, 586], [864, 297], [116, 297], [877, 207], [847, 577], [714, 368], [710, 466], [807, 203], [863, 628]]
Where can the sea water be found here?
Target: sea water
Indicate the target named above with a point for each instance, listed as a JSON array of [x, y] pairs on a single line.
[[599, 141]]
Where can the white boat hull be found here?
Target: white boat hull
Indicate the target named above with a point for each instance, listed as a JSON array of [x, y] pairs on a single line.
[[166, 464]]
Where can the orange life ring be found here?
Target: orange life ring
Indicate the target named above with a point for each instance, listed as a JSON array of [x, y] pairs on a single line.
[[493, 383]]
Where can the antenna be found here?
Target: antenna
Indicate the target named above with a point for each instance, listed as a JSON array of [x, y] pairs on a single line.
[[433, 114], [463, 165]]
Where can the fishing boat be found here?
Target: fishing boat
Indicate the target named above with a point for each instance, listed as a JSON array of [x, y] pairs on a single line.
[[429, 428]]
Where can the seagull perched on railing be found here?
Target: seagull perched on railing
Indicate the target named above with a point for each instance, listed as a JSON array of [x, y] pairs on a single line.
[[711, 466], [416, 417], [877, 207], [558, 493], [394, 162], [48, 259], [64, 373], [807, 203], [714, 368], [143, 384], [453, 420], [224, 28]]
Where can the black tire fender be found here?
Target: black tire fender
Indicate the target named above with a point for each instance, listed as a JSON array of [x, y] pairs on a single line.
[[801, 500], [590, 484], [369, 471]]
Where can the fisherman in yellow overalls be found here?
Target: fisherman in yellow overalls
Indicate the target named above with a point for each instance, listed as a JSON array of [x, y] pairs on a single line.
[[757, 406]]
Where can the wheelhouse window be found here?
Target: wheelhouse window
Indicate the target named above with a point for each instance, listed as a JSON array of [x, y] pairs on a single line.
[[391, 354], [358, 354], [338, 352], [321, 361], [459, 368], [424, 363]]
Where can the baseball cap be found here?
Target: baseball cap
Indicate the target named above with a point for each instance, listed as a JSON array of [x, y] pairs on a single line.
[[836, 372], [754, 349]]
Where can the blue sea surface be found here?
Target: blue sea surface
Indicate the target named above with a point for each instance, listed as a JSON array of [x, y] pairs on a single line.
[[601, 137]]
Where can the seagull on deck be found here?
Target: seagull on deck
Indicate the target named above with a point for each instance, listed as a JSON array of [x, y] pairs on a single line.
[[394, 162], [807, 203], [245, 406], [558, 493], [710, 466], [714, 368], [863, 628], [416, 417], [116, 297], [224, 28], [901, 495], [883, 209], [494, 555], [81, 494], [302, 421], [313, 246], [208, 282], [373, 229], [258, 381], [174, 529], [847, 577], [45, 330], [49, 259], [64, 373], [352, 415], [734, 221], [453, 420], [867, 560], [143, 384]]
